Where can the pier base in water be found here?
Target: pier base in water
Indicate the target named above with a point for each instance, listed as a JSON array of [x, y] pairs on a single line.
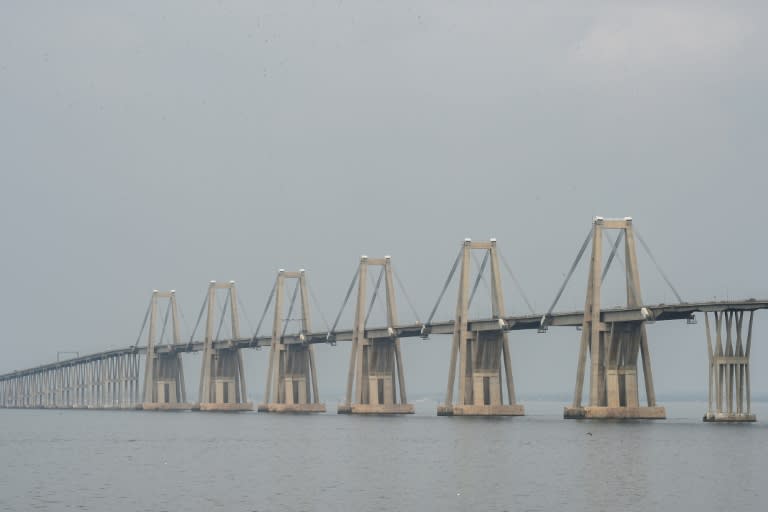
[[619, 413], [375, 409], [175, 406], [723, 417], [224, 407], [291, 408], [480, 410]]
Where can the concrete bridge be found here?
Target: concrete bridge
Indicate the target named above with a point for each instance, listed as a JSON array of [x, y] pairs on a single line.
[[480, 380]]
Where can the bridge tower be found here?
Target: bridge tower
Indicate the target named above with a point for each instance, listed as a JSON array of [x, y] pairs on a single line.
[[163, 371], [481, 354], [292, 375], [222, 378], [729, 368], [613, 347], [375, 363]]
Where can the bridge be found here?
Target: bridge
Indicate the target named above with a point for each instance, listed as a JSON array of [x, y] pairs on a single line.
[[480, 379]]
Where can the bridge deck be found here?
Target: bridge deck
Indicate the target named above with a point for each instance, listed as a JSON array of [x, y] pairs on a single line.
[[652, 313]]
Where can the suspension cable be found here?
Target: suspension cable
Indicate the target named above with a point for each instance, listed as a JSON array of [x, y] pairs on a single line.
[[515, 281], [346, 299], [568, 277], [373, 297], [445, 287], [658, 267], [407, 298]]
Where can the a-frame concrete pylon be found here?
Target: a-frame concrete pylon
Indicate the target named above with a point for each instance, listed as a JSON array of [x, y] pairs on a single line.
[[376, 364], [613, 347], [163, 371], [222, 378], [292, 375], [485, 363]]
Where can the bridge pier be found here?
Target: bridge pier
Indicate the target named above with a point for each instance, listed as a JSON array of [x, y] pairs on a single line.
[[375, 363], [485, 364], [613, 347], [292, 375], [163, 372], [729, 388], [222, 377], [105, 383]]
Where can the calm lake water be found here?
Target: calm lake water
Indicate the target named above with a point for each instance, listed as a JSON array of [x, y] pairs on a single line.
[[145, 461]]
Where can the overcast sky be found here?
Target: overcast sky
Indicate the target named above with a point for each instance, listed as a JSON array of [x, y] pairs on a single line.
[[157, 145]]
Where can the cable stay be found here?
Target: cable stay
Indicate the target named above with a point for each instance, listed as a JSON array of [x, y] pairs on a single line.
[[223, 313], [614, 248], [264, 313], [165, 323], [182, 325], [425, 328], [290, 309], [183, 321], [516, 282], [330, 334], [374, 295], [244, 312], [478, 278], [658, 267], [197, 323], [317, 307], [143, 324], [630, 286], [407, 298], [548, 314]]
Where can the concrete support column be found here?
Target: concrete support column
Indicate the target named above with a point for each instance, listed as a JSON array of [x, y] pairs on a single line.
[[613, 348], [729, 397], [163, 372], [292, 376], [484, 360], [376, 365], [222, 377]]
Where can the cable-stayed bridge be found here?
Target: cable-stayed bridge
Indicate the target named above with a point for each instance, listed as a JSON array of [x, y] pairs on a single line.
[[613, 349]]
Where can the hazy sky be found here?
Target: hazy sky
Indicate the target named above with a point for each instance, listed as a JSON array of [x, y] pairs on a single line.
[[161, 145]]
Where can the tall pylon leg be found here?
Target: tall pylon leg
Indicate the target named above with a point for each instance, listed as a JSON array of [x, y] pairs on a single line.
[[163, 372], [613, 348], [376, 365], [291, 377], [222, 377], [485, 363]]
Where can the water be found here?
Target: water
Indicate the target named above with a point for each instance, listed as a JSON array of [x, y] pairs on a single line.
[[144, 461]]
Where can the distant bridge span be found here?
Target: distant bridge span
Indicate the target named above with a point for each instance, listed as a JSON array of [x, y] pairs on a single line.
[[612, 339], [658, 312]]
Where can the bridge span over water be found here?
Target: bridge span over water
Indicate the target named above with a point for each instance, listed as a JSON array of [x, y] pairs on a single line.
[[613, 341]]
